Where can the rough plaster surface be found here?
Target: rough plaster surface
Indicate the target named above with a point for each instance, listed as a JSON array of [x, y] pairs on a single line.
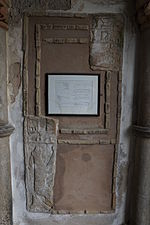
[[14, 80], [99, 6], [20, 215]]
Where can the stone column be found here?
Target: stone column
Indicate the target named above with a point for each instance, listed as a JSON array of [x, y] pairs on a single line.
[[5, 128], [140, 213]]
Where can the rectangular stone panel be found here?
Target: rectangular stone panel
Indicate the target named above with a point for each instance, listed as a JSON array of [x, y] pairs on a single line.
[[106, 42], [40, 159], [50, 35], [83, 180]]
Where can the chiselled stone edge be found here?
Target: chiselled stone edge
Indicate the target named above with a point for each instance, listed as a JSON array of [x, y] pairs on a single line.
[[6, 129], [142, 131]]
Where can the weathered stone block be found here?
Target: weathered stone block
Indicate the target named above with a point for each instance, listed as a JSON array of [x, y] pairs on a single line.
[[106, 42], [40, 158]]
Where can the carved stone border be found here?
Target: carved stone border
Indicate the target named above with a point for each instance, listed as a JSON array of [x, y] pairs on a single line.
[[107, 99], [52, 13], [83, 131], [118, 115], [25, 68], [87, 142], [54, 41], [64, 27], [38, 67], [85, 212], [66, 40]]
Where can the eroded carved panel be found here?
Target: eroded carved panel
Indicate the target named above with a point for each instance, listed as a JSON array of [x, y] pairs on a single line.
[[106, 42], [40, 134]]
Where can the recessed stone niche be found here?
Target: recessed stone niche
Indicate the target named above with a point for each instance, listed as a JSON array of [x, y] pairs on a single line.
[[70, 160]]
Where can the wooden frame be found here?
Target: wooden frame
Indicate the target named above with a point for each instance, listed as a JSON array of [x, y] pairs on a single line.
[[77, 108]]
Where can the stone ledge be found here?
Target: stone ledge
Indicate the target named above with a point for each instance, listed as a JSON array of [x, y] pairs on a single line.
[[87, 142], [83, 131], [6, 129]]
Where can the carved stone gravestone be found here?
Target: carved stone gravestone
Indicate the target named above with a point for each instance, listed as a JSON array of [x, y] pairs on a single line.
[[40, 138]]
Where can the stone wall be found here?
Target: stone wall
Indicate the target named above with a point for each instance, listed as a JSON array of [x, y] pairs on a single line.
[[15, 65]]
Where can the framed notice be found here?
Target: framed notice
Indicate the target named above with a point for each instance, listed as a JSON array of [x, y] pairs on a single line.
[[73, 94]]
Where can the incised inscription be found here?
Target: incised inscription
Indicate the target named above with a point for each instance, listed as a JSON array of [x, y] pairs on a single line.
[[106, 42]]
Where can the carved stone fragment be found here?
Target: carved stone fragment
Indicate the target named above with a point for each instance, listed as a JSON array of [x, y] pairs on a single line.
[[106, 42], [86, 142], [64, 27], [78, 142], [66, 40], [83, 131], [40, 135]]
